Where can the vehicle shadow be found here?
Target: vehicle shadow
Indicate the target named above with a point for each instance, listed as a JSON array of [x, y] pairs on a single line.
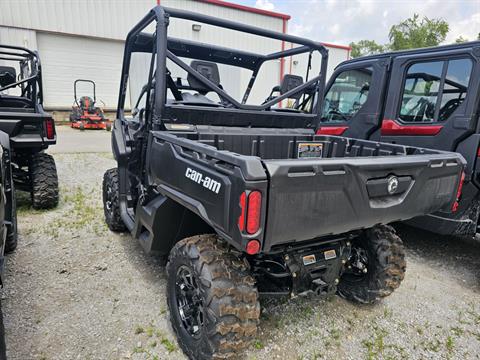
[[460, 256]]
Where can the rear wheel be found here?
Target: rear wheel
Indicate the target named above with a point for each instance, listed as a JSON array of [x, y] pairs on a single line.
[[212, 298], [44, 180], [376, 266], [111, 202]]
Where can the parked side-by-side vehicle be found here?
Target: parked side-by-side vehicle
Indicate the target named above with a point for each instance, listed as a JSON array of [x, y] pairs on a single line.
[[424, 97], [245, 199], [30, 128]]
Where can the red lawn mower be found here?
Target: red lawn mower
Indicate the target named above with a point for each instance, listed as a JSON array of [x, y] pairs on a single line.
[[85, 114]]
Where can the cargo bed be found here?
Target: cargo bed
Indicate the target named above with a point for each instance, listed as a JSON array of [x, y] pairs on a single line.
[[312, 185]]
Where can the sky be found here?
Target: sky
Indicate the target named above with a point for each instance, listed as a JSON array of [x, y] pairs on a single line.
[[344, 21]]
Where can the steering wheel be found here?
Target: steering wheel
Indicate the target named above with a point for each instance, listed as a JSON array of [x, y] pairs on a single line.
[[334, 111]]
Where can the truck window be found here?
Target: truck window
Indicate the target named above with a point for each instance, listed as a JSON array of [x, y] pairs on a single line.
[[347, 95], [420, 100], [455, 89]]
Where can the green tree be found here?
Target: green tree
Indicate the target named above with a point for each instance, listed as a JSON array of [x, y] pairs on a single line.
[[417, 33], [365, 47], [460, 40]]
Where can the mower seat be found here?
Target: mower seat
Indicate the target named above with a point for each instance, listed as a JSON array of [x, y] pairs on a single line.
[[87, 104]]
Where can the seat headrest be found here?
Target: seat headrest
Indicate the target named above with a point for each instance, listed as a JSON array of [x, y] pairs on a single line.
[[8, 75], [290, 82], [207, 69]]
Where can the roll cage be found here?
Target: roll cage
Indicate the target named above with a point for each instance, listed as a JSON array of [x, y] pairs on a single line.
[[173, 49], [29, 78]]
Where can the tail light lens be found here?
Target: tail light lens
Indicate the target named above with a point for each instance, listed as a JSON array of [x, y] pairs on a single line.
[[250, 214], [253, 247], [50, 128], [243, 206], [254, 211], [459, 193]]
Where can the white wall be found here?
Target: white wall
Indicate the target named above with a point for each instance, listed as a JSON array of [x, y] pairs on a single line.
[[66, 58], [95, 48]]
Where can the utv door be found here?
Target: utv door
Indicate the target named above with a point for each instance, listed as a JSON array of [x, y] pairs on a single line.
[[431, 101], [353, 101]]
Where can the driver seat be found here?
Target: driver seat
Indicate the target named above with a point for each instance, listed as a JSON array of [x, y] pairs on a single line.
[[209, 70], [87, 104]]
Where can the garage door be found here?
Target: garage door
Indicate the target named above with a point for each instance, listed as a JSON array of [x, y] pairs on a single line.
[[67, 58]]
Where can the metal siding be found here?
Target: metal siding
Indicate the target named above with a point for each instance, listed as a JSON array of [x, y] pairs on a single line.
[[104, 57], [107, 19], [18, 37], [67, 58]]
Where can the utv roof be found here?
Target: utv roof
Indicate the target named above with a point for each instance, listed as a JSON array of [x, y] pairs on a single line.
[[465, 45], [207, 52]]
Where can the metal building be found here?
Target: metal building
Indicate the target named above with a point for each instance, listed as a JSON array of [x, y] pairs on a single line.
[[85, 39]]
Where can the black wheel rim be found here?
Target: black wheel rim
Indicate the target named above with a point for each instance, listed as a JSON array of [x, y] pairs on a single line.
[[108, 199], [357, 264], [189, 301]]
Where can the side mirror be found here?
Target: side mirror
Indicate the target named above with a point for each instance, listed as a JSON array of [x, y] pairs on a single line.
[[134, 112]]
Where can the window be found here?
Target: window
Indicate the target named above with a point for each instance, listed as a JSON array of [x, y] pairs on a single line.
[[455, 89], [347, 95], [434, 90]]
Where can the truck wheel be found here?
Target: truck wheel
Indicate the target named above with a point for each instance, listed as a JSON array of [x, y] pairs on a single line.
[[212, 298], [375, 268], [111, 204], [12, 234], [43, 176]]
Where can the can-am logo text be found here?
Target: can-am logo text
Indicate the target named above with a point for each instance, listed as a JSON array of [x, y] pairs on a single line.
[[205, 181]]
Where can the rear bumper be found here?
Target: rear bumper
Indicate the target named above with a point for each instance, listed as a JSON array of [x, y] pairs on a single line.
[[444, 225], [461, 223]]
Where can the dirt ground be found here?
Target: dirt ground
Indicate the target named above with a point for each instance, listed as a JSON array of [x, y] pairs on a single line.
[[75, 290]]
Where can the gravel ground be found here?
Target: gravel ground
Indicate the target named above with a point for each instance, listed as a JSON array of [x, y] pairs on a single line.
[[74, 290]]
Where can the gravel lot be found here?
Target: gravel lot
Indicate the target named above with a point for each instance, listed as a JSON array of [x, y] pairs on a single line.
[[74, 290]]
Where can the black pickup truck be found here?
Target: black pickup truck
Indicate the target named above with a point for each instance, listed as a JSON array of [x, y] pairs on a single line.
[[246, 200], [30, 128], [423, 97]]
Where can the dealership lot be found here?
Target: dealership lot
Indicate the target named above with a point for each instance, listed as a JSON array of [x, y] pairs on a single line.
[[76, 290]]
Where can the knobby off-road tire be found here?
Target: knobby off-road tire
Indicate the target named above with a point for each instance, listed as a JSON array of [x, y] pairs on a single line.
[[385, 267], [12, 234], [111, 202], [224, 298], [44, 179]]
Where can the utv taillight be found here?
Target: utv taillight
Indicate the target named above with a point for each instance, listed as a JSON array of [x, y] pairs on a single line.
[[243, 207], [250, 211], [50, 129], [253, 247], [459, 193], [253, 212]]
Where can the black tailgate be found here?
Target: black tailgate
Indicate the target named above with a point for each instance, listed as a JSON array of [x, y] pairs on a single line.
[[318, 197]]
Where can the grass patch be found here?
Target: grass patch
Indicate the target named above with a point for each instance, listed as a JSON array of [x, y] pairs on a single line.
[[168, 345], [257, 344]]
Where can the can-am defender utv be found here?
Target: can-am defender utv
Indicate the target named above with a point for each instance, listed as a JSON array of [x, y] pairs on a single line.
[[85, 112], [245, 200], [30, 128]]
